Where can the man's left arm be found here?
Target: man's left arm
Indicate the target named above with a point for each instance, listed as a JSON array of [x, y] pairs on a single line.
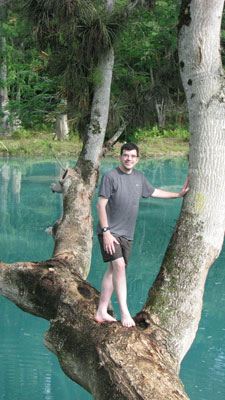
[[162, 194]]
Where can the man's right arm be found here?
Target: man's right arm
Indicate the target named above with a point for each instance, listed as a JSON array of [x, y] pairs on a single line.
[[108, 238]]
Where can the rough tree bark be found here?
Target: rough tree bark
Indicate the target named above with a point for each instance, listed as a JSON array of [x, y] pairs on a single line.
[[176, 296], [110, 361]]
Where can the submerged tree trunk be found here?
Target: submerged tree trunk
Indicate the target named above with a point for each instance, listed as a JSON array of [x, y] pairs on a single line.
[[108, 360]]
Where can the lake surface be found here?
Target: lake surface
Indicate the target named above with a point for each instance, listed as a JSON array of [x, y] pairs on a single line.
[[27, 208]]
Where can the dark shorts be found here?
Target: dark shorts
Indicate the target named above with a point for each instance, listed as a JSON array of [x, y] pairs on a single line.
[[122, 250]]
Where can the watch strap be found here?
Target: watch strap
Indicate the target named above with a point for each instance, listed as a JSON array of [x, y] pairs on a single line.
[[105, 229]]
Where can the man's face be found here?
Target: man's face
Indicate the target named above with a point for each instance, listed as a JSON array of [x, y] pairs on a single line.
[[128, 160]]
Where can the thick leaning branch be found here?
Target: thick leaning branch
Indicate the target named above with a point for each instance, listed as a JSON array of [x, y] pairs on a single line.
[[73, 233], [107, 360]]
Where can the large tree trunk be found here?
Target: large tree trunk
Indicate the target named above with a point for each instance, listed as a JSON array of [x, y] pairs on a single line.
[[176, 296], [108, 360]]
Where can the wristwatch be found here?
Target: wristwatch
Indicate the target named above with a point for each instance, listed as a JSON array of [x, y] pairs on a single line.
[[105, 229]]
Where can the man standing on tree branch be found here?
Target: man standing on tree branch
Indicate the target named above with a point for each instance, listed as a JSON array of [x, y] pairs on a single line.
[[118, 203]]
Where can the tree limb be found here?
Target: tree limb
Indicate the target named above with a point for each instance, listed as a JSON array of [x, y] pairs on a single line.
[[108, 360]]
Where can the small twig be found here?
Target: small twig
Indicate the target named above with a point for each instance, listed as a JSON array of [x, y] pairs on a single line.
[[59, 162]]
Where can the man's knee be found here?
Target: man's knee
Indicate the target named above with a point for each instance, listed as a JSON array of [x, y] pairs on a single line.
[[119, 264]]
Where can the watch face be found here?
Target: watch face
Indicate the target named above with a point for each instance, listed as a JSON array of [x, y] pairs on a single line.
[[105, 229]]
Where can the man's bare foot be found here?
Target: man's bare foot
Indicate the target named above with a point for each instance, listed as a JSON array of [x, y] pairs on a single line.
[[127, 321], [104, 317]]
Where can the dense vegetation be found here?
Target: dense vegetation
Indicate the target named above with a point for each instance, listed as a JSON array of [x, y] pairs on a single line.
[[50, 66]]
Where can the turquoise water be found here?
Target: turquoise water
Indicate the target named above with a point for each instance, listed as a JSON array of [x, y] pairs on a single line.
[[27, 208]]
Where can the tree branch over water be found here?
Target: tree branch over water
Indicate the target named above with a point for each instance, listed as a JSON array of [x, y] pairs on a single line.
[[107, 360]]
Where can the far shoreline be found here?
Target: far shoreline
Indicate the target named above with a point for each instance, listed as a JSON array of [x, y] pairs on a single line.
[[43, 145]]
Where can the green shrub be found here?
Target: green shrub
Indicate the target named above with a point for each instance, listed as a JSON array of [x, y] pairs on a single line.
[[178, 132]]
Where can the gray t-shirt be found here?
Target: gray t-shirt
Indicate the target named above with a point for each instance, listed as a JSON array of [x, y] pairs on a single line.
[[124, 192]]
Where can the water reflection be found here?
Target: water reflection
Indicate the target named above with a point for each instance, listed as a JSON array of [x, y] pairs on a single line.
[[27, 208], [5, 173]]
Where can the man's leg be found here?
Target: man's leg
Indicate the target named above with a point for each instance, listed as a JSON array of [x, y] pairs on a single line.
[[102, 314], [120, 287]]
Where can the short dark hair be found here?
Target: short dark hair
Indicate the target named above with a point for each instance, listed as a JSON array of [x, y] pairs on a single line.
[[129, 146]]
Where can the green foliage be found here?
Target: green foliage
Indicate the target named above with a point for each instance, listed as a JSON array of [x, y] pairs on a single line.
[[146, 68], [53, 47], [178, 132], [76, 33], [72, 36], [32, 94], [22, 133]]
